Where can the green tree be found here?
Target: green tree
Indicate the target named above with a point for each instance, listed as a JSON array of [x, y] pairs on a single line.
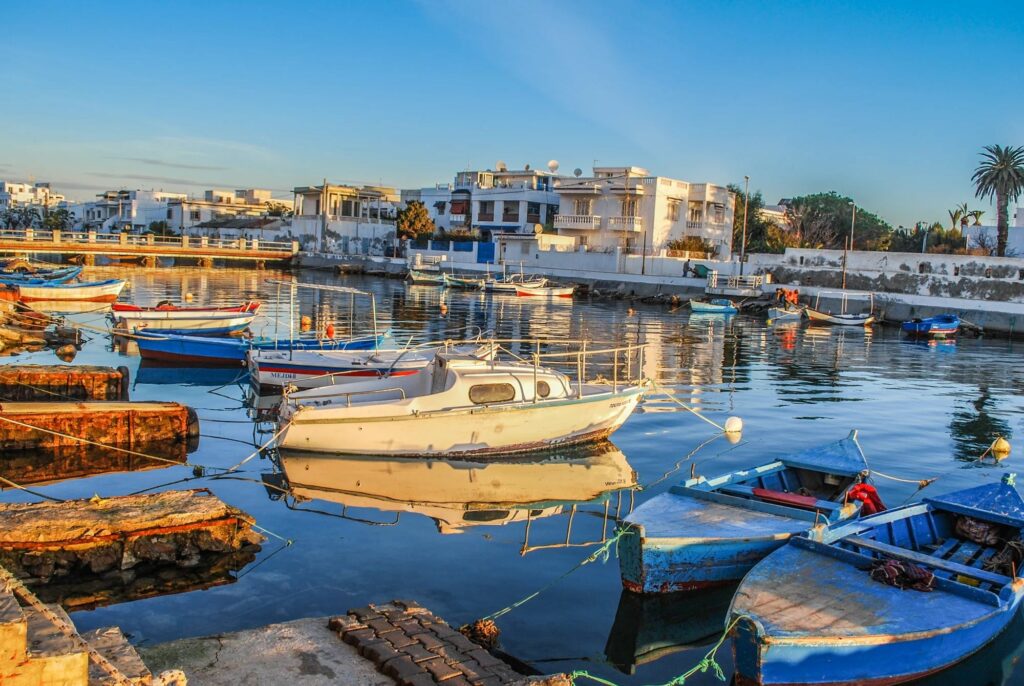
[[59, 219], [758, 228], [160, 228], [822, 220], [278, 209], [414, 221], [1000, 175], [21, 218]]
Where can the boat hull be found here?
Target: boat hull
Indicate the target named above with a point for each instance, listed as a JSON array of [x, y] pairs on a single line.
[[98, 291], [205, 326], [711, 308], [874, 660], [545, 291], [816, 317], [484, 430], [231, 352]]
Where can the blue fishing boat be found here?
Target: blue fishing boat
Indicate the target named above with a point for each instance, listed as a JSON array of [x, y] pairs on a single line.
[[206, 350], [844, 605], [717, 306], [55, 276], [939, 326], [708, 532]]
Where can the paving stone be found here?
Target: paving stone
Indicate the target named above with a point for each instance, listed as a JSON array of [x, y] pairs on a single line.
[[462, 643], [357, 636], [424, 679], [401, 668], [364, 613], [378, 651], [444, 631], [440, 669], [344, 623], [418, 653], [486, 681], [486, 660], [409, 626], [457, 681], [471, 668], [400, 641], [429, 641], [381, 626], [411, 606]]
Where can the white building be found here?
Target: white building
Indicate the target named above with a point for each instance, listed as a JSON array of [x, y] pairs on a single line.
[[38, 194], [340, 218], [137, 209], [493, 202], [627, 208]]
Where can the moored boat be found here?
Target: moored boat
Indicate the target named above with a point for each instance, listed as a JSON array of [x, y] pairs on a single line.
[[168, 318], [939, 326], [39, 276], [545, 291], [171, 311], [885, 599], [91, 291], [845, 319], [717, 306], [418, 278], [776, 314], [463, 282], [509, 284], [707, 532], [232, 351], [456, 405]]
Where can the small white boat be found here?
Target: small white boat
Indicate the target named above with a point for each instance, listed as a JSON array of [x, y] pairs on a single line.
[[776, 314], [91, 291], [456, 405], [719, 306], [319, 368], [545, 291], [816, 317], [182, 322], [509, 283]]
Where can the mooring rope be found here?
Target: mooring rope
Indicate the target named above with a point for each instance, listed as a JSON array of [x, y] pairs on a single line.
[[672, 397], [707, 662], [30, 491]]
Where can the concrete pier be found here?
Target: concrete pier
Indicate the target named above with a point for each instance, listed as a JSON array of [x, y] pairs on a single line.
[[34, 382]]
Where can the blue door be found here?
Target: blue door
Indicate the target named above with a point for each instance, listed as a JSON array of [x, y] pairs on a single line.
[[485, 253]]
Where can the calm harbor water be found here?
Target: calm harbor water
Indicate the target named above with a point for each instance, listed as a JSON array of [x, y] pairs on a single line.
[[372, 530]]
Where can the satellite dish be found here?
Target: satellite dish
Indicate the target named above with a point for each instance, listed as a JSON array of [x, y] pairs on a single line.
[[526, 167], [553, 166], [500, 166], [577, 172]]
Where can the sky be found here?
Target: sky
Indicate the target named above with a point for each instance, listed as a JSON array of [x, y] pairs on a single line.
[[888, 103]]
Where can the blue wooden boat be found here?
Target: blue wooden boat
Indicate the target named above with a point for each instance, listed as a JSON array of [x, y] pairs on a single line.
[[718, 306], [417, 278], [811, 613], [54, 276], [206, 350], [708, 532], [939, 326]]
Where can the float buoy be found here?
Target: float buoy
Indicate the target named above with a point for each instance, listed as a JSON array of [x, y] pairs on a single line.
[[1000, 448], [733, 425]]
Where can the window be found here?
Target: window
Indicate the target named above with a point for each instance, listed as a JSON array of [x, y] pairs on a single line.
[[486, 211], [168, 212], [510, 210], [533, 211], [581, 206], [673, 210], [193, 215], [543, 389], [719, 213], [439, 206], [482, 394], [629, 207], [696, 210]]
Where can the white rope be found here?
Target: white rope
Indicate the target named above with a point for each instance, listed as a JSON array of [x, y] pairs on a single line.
[[685, 407]]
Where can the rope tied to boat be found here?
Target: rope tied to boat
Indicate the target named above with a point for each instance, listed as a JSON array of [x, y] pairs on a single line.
[[724, 429], [706, 663]]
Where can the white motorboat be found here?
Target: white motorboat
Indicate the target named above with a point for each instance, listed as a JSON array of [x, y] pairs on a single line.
[[456, 405], [318, 368]]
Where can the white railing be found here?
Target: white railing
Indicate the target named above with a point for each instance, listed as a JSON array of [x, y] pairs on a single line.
[[626, 223], [753, 281], [40, 236], [457, 218], [578, 221], [698, 225]]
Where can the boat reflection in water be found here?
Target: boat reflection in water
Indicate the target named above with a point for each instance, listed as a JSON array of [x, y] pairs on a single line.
[[650, 627], [457, 494]]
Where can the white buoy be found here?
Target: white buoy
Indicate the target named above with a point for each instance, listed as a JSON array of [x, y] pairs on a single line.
[[733, 425]]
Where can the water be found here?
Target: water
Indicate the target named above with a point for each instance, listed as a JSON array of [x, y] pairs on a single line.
[[922, 411]]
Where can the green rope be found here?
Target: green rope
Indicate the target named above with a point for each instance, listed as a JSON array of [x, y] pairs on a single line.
[[603, 552], [706, 663]]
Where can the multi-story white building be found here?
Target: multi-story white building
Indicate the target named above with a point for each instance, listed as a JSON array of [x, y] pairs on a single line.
[[491, 202], [627, 208], [333, 217], [137, 209], [38, 194]]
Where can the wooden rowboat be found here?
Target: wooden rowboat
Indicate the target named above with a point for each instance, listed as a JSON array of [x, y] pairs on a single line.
[[208, 350], [128, 311], [91, 291], [470, 284], [707, 532], [818, 317], [545, 291], [719, 306], [425, 278], [939, 326], [821, 611]]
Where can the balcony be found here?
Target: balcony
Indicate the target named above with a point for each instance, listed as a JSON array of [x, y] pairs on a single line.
[[578, 221], [510, 218], [485, 217], [457, 218], [695, 225], [626, 223]]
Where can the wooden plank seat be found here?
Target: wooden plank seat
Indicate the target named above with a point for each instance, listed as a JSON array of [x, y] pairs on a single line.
[[803, 502], [929, 561]]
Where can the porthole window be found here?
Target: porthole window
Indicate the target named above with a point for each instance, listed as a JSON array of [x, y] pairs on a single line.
[[481, 394], [543, 389]]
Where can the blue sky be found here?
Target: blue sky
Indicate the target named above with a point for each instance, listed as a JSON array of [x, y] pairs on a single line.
[[886, 102]]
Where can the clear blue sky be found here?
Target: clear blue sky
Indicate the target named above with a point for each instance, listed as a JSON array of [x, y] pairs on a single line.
[[886, 102]]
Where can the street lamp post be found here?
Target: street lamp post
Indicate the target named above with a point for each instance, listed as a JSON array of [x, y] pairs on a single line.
[[849, 244], [853, 221], [746, 204]]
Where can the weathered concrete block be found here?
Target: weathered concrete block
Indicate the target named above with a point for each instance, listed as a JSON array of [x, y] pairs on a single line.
[[440, 669], [401, 668]]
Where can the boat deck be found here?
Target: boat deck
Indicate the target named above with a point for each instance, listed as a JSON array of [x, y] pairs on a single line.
[[680, 516]]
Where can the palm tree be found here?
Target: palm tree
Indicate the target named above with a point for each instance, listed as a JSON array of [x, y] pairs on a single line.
[[955, 215], [1000, 175], [976, 216]]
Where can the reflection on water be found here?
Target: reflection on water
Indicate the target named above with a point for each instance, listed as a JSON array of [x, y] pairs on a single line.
[[456, 494], [922, 410]]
